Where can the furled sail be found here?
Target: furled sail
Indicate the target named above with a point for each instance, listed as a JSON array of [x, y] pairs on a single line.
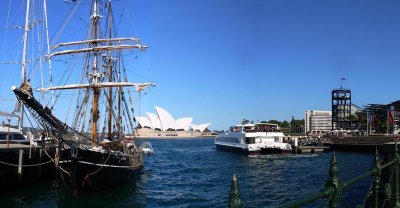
[[138, 86]]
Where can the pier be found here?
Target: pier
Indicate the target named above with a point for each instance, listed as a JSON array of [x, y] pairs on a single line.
[[311, 149], [24, 164], [365, 144], [309, 144]]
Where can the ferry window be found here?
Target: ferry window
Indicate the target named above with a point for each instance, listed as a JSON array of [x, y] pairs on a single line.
[[3, 136], [250, 140], [17, 137]]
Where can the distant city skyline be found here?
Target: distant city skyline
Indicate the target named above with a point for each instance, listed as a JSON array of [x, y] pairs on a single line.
[[219, 61]]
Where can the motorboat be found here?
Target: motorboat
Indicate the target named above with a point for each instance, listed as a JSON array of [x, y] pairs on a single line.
[[260, 138]]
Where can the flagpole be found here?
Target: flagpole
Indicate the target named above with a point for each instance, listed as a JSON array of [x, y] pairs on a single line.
[[387, 122], [367, 123]]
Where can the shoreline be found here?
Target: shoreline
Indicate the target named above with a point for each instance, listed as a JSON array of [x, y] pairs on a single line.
[[174, 138]]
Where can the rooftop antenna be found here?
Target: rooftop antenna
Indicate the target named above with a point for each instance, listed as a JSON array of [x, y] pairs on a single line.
[[341, 82]]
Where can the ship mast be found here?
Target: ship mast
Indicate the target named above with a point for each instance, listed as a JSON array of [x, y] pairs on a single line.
[[100, 52], [119, 102], [95, 74], [24, 66], [110, 74]]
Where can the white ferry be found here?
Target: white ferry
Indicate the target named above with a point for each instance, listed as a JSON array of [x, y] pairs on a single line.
[[15, 136], [261, 138]]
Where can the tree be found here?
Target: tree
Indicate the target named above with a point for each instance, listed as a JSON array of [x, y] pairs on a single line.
[[285, 124]]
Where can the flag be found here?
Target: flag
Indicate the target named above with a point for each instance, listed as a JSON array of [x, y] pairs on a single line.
[[369, 118], [372, 119], [390, 117]]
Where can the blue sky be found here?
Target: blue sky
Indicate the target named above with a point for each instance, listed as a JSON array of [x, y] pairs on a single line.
[[220, 60]]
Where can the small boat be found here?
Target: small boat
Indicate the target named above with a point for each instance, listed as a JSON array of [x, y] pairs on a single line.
[[260, 138]]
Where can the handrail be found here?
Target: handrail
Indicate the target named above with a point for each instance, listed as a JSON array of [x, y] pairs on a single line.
[[378, 195]]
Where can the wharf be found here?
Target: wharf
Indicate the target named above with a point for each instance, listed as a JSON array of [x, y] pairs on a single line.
[[366, 144], [24, 164], [310, 149]]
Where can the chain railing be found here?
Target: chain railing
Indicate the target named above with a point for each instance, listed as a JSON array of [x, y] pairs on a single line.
[[383, 192]]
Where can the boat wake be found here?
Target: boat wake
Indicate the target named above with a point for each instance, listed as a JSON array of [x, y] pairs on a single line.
[[146, 148]]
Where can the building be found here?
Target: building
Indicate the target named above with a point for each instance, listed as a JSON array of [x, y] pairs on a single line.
[[163, 124], [341, 109], [317, 122], [381, 118]]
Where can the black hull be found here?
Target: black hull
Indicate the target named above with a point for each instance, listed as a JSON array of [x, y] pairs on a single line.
[[95, 171]]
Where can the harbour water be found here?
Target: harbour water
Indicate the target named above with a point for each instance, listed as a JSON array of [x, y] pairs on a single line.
[[193, 173]]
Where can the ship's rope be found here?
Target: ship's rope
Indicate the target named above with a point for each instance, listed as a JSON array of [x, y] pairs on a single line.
[[5, 34], [56, 163], [44, 150], [33, 165], [89, 174], [103, 165]]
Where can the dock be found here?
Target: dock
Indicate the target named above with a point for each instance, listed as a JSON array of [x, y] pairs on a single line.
[[310, 149], [24, 164], [308, 145]]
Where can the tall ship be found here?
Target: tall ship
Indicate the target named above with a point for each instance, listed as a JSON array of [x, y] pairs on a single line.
[[260, 138], [93, 153]]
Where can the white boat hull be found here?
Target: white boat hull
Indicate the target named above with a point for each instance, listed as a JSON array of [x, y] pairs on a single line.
[[253, 142]]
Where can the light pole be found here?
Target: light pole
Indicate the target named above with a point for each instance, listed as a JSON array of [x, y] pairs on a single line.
[[8, 134]]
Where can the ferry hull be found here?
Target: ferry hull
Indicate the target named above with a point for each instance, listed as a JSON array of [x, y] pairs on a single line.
[[244, 150], [275, 151], [237, 149]]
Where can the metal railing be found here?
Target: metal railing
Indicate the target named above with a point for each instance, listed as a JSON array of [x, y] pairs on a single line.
[[310, 140], [384, 190]]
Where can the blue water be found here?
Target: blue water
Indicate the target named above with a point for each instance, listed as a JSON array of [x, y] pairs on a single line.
[[192, 173]]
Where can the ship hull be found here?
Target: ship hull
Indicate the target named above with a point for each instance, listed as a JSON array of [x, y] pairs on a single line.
[[237, 149], [243, 150], [91, 171]]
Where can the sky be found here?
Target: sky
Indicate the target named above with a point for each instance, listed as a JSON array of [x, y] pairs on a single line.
[[220, 61]]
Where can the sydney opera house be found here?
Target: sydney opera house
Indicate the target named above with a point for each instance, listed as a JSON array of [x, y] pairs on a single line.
[[163, 125]]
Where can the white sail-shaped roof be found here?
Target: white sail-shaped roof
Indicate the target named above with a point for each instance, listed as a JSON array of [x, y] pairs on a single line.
[[164, 121], [155, 121], [143, 121], [183, 123], [194, 127], [203, 127], [200, 127], [167, 121]]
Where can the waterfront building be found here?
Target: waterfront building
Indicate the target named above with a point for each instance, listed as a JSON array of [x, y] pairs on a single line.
[[341, 109], [382, 118], [354, 109], [317, 121], [163, 124]]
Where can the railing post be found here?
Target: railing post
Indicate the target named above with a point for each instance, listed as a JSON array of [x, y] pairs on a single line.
[[234, 195], [334, 183], [396, 177], [377, 179]]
